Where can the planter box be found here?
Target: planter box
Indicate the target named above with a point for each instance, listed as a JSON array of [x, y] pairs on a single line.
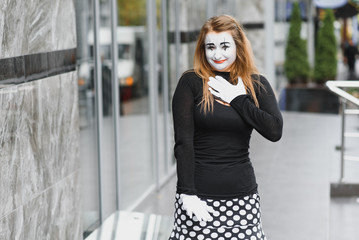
[[309, 99]]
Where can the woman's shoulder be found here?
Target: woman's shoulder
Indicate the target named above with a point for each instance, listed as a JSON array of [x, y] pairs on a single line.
[[260, 81], [259, 77], [190, 77], [261, 84]]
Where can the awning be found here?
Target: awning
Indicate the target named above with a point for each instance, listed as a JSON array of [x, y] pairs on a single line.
[[346, 11], [330, 3]]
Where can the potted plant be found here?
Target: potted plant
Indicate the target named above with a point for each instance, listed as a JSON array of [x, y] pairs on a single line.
[[296, 65], [325, 66], [299, 95]]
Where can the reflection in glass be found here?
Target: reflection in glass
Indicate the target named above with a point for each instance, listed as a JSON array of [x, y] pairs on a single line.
[[136, 165], [135, 144], [88, 143]]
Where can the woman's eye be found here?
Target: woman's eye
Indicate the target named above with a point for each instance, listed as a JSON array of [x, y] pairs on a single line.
[[225, 47], [210, 47]]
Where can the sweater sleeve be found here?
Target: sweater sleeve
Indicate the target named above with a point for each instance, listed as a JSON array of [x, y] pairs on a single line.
[[266, 119], [182, 110]]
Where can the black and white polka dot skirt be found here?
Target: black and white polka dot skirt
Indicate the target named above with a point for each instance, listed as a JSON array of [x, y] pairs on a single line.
[[233, 219]]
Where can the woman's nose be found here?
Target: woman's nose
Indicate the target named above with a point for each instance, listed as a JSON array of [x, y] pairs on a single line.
[[217, 54]]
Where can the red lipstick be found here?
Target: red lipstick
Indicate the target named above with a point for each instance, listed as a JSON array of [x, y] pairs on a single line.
[[220, 61]]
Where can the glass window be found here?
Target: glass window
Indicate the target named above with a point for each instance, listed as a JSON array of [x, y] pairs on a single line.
[[136, 172], [88, 142]]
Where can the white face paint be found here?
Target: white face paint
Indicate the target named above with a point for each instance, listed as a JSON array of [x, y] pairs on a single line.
[[220, 50]]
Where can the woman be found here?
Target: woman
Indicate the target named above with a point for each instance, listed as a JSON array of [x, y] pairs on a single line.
[[215, 108]]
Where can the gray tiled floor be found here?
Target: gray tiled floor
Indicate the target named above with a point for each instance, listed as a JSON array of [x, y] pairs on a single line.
[[294, 177]]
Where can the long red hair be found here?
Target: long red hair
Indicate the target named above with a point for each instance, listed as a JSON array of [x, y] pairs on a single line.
[[242, 67]]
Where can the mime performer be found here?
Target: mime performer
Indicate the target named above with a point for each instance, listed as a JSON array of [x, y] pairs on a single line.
[[215, 107]]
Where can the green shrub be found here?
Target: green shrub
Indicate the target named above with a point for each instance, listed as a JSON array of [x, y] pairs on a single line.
[[296, 65], [325, 65]]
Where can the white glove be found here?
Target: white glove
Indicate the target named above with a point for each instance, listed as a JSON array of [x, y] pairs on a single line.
[[221, 88], [194, 205]]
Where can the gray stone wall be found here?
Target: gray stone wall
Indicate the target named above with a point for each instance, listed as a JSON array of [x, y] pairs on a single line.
[[39, 128], [35, 26]]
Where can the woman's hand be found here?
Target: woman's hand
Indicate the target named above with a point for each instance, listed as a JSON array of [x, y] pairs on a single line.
[[197, 207], [222, 89]]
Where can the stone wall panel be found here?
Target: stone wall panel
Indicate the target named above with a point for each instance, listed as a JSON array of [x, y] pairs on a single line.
[[12, 27], [11, 226], [28, 27], [39, 134], [52, 214]]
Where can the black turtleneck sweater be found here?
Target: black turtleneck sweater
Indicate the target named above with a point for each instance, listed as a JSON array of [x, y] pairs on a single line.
[[211, 148]]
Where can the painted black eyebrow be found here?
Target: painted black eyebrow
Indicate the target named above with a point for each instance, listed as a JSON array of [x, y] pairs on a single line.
[[209, 44], [224, 43]]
